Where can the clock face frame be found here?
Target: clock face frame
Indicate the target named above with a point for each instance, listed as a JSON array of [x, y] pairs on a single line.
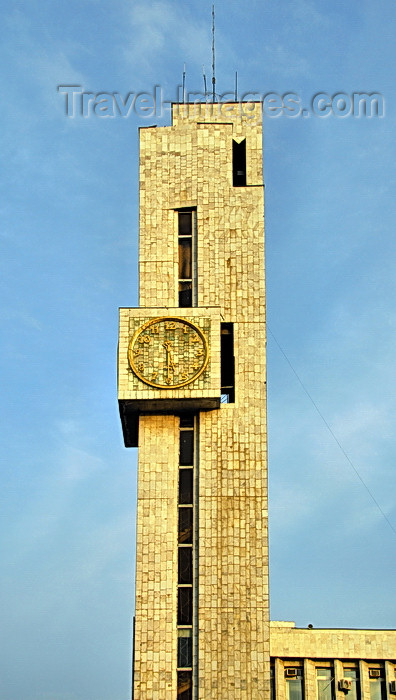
[[168, 352]]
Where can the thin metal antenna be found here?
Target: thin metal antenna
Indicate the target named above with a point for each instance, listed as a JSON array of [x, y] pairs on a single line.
[[184, 83], [213, 55], [236, 86], [204, 79]]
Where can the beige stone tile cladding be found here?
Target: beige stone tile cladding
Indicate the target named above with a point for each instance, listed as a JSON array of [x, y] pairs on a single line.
[[207, 385], [294, 642], [156, 559]]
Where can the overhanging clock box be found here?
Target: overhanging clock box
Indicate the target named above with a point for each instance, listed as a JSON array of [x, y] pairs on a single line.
[[168, 362]]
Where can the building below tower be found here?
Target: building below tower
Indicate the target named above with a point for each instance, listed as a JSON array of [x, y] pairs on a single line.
[[332, 664]]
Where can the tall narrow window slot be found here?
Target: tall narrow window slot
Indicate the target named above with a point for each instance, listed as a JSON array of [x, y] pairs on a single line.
[[227, 363], [186, 564], [239, 163], [186, 248]]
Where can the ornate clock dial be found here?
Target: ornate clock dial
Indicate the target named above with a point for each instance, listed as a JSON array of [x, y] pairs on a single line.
[[168, 352]]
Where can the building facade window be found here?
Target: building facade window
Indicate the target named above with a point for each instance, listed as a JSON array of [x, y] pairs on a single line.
[[377, 682], [351, 673], [294, 683], [325, 683]]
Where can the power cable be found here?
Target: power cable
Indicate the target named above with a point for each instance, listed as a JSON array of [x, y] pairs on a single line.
[[332, 433]]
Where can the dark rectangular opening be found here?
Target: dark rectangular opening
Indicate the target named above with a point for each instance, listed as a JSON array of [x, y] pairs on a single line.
[[184, 685], [185, 258], [185, 294], [186, 457], [272, 682], [184, 606], [239, 163], [185, 564], [184, 648], [185, 223], [227, 363], [185, 525], [186, 486], [187, 420]]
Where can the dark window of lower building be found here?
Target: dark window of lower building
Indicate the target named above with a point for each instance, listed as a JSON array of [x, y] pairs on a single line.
[[352, 674], [325, 683], [377, 683], [272, 682], [294, 683]]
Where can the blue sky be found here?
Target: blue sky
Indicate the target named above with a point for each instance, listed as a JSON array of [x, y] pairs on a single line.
[[69, 241]]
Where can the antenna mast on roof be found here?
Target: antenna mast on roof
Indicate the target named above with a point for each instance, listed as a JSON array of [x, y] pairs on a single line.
[[204, 79], [213, 55], [184, 84]]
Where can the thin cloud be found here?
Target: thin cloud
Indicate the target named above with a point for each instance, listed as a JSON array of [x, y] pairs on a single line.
[[156, 32], [78, 464], [306, 14], [285, 61]]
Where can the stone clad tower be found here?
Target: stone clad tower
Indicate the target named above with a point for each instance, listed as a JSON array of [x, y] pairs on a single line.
[[192, 396]]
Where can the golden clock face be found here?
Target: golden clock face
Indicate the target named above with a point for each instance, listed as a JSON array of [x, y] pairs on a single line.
[[168, 352]]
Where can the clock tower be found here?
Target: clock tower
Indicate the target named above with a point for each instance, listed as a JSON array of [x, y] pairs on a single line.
[[192, 397]]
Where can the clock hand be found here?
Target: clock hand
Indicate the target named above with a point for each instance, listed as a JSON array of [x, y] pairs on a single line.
[[171, 364], [169, 359]]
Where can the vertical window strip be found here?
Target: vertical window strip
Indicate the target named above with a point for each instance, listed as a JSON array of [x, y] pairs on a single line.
[[187, 257], [195, 679], [227, 363], [186, 565]]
